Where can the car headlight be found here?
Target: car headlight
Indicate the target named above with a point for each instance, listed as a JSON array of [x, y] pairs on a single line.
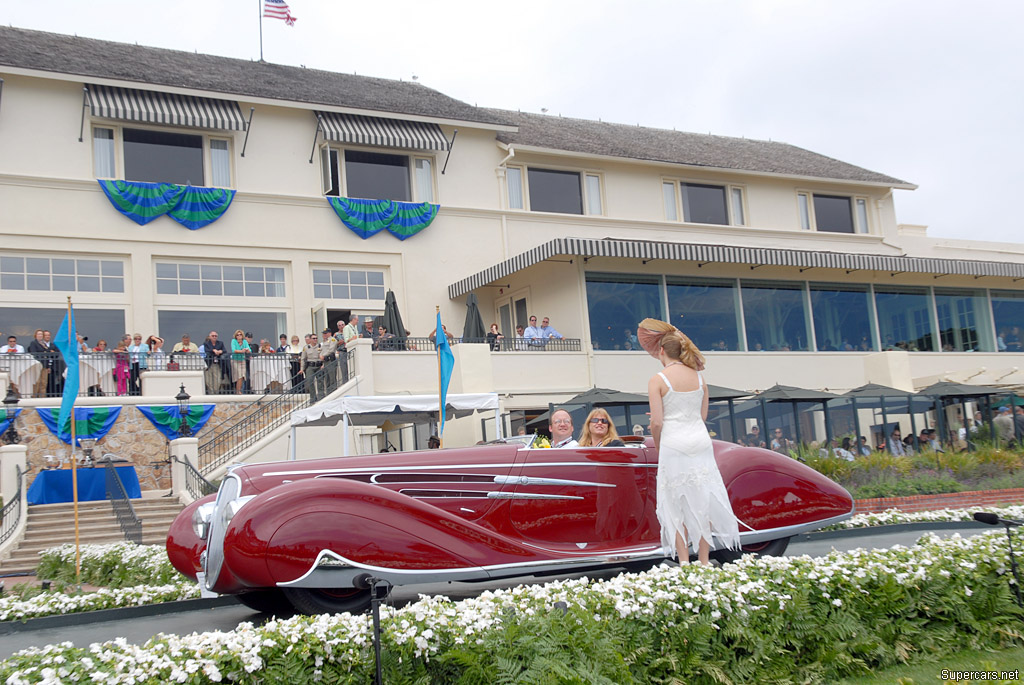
[[201, 518], [233, 506]]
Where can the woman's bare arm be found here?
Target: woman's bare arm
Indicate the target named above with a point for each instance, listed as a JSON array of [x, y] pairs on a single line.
[[655, 387]]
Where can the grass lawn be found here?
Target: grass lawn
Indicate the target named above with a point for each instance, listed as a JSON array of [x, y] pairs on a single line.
[[967, 660]]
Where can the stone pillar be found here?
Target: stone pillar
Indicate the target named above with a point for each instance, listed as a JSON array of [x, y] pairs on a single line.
[[5, 380], [180, 449], [362, 364]]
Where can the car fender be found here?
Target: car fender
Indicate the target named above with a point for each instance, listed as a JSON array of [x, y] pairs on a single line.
[[183, 545], [278, 536]]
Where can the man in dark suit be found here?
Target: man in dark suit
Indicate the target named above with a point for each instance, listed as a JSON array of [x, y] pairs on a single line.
[[217, 363]]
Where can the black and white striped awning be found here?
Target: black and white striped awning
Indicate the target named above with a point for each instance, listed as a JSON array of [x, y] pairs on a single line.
[[151, 107], [728, 254], [410, 135]]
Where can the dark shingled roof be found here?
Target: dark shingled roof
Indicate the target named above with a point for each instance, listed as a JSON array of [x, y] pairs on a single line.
[[91, 58], [676, 147]]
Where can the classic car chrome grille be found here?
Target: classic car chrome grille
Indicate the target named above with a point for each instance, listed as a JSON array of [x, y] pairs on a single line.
[[229, 490]]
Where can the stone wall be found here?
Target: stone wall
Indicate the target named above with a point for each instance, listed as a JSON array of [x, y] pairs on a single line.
[[132, 437]]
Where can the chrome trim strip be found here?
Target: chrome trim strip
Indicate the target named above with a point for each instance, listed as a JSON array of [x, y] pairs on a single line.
[[528, 480], [528, 495], [750, 537], [415, 469]]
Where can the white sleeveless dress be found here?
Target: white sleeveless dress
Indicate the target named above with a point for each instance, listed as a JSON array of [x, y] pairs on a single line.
[[691, 493]]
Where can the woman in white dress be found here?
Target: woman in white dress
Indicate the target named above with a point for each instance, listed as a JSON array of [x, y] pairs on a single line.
[[692, 502]]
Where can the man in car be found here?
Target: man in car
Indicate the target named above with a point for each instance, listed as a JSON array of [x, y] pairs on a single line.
[[561, 429]]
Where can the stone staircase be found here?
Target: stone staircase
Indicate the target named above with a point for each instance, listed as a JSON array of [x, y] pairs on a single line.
[[51, 525]]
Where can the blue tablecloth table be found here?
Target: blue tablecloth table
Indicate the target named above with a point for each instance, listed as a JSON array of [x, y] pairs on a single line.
[[53, 486]]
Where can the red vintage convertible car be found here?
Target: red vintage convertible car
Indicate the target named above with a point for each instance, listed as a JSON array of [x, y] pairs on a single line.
[[311, 535]]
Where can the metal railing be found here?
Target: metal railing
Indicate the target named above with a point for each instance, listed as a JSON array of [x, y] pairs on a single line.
[[112, 374], [196, 485], [503, 345], [251, 426], [131, 524], [10, 514]]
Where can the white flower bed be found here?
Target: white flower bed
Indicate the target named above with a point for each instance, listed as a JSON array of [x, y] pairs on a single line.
[[756, 591], [893, 516], [51, 603]]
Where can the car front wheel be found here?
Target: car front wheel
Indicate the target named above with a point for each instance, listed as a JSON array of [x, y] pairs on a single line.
[[768, 548], [328, 600], [267, 602]]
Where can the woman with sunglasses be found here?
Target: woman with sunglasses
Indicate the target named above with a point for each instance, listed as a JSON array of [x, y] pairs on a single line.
[[693, 504], [599, 431]]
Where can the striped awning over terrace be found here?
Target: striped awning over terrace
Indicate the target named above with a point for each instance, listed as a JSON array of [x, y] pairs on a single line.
[[729, 254], [378, 132], [152, 107]]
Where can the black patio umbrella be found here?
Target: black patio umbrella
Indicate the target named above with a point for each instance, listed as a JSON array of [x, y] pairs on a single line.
[[474, 330], [793, 395], [958, 391], [889, 400], [392, 320], [717, 392], [595, 397]]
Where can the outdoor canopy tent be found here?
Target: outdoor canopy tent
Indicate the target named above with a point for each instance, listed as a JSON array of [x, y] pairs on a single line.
[[373, 410]]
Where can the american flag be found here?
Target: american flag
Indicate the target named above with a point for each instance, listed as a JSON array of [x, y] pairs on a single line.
[[278, 9]]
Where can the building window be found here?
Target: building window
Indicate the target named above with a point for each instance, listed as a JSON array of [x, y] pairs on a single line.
[[377, 176], [963, 321], [776, 316], [593, 194], [198, 323], [348, 284], [616, 302], [708, 310], [424, 180], [64, 274], [833, 213], [555, 191], [219, 280], [95, 324], [905, 318], [153, 156], [514, 182], [842, 317], [704, 203], [1008, 312], [103, 153]]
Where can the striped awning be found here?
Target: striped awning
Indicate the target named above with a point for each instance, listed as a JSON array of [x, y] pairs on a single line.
[[730, 254], [410, 135], [151, 107]]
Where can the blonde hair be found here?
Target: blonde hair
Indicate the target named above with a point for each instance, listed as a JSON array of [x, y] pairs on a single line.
[[677, 345], [588, 440]]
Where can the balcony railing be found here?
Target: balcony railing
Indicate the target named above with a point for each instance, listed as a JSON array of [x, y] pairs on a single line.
[[503, 345], [112, 374]]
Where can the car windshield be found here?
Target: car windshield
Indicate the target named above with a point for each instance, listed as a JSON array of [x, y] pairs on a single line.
[[524, 440]]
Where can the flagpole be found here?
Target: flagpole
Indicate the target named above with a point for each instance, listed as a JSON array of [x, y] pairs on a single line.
[[440, 398], [74, 469], [259, 8]]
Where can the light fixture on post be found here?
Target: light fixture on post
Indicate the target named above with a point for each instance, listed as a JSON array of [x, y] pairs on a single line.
[[182, 398], [11, 436], [87, 445]]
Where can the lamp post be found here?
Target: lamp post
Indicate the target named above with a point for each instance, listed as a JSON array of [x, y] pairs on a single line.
[[182, 398], [10, 411]]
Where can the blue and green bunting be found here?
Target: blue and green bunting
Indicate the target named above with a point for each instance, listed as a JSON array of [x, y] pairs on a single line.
[[6, 423], [191, 206], [90, 422], [167, 418], [369, 217]]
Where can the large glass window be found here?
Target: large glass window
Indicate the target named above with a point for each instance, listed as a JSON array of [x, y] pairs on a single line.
[[555, 191], [217, 280], [707, 310], [842, 317], [163, 157], [61, 274], [963, 321], [704, 204], [198, 324], [1008, 310], [348, 284], [904, 318], [616, 303], [94, 324], [776, 316], [376, 176]]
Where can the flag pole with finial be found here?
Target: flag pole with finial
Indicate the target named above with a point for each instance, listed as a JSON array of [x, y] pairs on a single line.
[[72, 342], [440, 394], [259, 8]]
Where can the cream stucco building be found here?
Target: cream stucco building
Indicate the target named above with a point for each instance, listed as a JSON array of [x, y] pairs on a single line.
[[785, 265]]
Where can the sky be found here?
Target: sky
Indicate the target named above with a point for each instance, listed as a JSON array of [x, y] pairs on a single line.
[[927, 91]]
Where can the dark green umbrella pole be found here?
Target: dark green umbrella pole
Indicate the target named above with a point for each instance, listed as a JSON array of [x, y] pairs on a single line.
[[796, 425], [732, 420], [764, 426], [828, 422], [856, 424], [885, 424]]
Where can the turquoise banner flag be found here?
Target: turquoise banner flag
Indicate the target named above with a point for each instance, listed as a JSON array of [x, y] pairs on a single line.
[[90, 422], [67, 342], [446, 361], [167, 418]]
